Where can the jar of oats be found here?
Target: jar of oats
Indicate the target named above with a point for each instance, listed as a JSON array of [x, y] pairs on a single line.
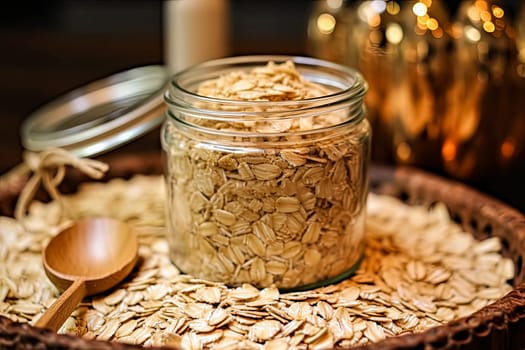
[[266, 170]]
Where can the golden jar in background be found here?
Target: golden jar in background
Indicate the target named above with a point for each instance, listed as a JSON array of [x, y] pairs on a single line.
[[446, 83], [485, 121], [355, 33]]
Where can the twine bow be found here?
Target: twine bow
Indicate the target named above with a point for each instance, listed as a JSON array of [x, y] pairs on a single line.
[[49, 168]]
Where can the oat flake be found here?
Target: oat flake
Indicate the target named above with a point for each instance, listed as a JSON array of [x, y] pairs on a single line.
[[199, 314]]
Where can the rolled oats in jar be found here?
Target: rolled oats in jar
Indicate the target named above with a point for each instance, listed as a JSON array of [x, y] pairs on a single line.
[[266, 170]]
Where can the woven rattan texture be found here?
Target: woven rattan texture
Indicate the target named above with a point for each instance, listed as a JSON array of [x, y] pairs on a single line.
[[497, 326]]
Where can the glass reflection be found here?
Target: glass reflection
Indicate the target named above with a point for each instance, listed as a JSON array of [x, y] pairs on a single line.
[[446, 85], [485, 117]]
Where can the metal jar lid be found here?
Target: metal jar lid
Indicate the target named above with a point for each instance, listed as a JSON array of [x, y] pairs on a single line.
[[100, 116]]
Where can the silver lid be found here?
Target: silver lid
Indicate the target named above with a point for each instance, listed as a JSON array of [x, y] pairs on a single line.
[[100, 116]]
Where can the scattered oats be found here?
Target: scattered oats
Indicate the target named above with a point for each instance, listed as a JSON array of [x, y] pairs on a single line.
[[94, 319], [416, 270], [438, 275], [115, 297], [278, 314], [210, 295], [391, 276], [218, 316], [26, 308], [319, 334], [108, 330], [133, 297], [211, 337], [200, 326], [246, 292], [157, 292], [267, 296], [196, 310], [99, 304], [9, 286], [324, 310], [159, 306], [24, 289], [144, 276], [264, 330], [300, 310], [276, 344], [70, 327], [374, 332], [489, 245], [445, 314], [425, 305], [191, 341], [341, 326], [90, 335], [127, 328], [505, 269], [139, 336], [349, 293], [291, 327]]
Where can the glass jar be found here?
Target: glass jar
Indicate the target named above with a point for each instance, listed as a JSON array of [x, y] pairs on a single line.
[[267, 192]]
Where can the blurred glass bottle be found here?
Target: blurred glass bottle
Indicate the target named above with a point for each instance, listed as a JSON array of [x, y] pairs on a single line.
[[327, 33], [447, 83], [364, 35], [377, 34], [401, 49], [485, 121], [425, 73]]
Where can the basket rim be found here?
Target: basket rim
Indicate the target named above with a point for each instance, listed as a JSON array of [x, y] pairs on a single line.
[[503, 313]]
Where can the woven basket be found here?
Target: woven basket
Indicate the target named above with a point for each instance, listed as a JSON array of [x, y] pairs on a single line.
[[500, 325]]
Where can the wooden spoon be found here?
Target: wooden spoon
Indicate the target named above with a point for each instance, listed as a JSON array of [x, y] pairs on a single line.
[[93, 255]]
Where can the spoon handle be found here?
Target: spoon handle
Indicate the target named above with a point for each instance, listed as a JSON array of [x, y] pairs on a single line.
[[60, 310]]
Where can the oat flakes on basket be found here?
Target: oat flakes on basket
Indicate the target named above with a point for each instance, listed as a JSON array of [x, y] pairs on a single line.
[[426, 274]]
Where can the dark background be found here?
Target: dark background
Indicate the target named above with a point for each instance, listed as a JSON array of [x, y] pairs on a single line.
[[49, 48]]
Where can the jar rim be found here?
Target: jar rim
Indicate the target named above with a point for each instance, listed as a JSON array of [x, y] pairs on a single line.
[[352, 86]]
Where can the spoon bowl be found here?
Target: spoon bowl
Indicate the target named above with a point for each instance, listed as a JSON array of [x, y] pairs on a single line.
[[89, 257]]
